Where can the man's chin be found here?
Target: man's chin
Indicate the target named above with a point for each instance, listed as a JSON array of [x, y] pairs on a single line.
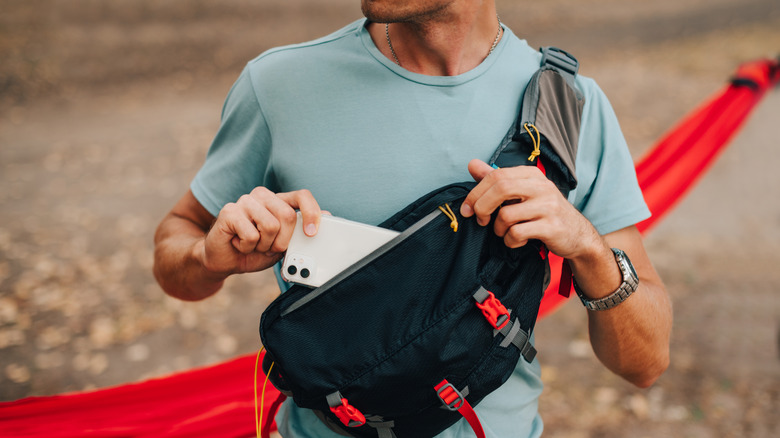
[[383, 11], [379, 11], [375, 13]]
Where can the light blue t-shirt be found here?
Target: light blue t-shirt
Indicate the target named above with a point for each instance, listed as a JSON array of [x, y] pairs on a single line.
[[368, 137]]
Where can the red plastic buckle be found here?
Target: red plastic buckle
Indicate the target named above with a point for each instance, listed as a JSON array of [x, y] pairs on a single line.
[[453, 400], [348, 414], [495, 312]]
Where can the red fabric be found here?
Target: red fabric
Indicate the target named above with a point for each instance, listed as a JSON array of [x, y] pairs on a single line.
[[670, 168], [217, 400], [211, 402]]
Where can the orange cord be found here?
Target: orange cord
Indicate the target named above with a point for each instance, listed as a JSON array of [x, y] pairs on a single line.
[[536, 141], [450, 214], [259, 419]]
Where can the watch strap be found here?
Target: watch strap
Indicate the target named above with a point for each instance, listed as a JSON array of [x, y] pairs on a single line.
[[626, 288]]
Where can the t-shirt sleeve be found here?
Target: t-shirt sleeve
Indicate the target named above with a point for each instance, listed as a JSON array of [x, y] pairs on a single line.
[[607, 192], [239, 156]]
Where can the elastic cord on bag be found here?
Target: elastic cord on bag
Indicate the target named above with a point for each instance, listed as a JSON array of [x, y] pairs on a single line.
[[536, 140], [450, 214], [259, 418], [257, 362]]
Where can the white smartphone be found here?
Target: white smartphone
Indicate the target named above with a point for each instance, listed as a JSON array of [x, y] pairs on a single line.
[[338, 244]]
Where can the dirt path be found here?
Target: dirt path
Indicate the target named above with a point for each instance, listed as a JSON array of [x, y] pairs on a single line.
[[88, 171]]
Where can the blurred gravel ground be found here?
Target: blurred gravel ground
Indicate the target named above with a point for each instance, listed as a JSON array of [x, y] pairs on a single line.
[[107, 109]]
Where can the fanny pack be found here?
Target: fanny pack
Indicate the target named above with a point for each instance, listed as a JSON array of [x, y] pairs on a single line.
[[407, 340]]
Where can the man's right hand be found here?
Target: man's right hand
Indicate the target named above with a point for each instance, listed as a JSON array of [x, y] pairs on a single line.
[[195, 253], [253, 233]]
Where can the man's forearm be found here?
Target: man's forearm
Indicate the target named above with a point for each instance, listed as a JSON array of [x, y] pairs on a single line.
[[631, 339], [178, 265]]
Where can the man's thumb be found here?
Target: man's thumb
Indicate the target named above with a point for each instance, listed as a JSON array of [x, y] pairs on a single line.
[[479, 169]]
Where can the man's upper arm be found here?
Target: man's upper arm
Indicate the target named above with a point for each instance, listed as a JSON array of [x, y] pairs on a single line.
[[238, 159]]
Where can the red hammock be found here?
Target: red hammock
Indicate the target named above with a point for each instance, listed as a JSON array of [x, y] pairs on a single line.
[[670, 168], [218, 400]]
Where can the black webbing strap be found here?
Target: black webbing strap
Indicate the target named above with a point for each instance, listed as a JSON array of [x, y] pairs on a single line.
[[384, 429]]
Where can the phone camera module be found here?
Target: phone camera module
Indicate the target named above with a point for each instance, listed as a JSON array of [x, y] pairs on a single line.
[[305, 273], [292, 269]]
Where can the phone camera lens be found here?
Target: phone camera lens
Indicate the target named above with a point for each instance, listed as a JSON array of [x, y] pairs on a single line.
[[305, 273], [292, 269]]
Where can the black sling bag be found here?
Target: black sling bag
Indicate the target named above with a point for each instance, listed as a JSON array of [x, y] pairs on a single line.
[[406, 341]]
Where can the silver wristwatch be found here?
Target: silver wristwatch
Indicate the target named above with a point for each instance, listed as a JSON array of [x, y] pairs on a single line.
[[629, 285]]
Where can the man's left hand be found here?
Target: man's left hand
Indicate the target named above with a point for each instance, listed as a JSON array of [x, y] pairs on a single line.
[[529, 206]]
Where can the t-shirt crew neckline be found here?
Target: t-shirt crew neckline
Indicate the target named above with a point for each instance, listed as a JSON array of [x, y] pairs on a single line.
[[442, 81]]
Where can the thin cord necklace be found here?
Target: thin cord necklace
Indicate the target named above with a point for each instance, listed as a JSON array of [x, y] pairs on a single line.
[[395, 57]]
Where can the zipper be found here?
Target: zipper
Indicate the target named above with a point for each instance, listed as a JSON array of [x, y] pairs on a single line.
[[368, 259]]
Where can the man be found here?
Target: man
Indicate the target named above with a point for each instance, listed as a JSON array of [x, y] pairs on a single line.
[[366, 120]]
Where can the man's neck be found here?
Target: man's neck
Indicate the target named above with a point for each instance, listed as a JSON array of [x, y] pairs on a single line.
[[449, 43]]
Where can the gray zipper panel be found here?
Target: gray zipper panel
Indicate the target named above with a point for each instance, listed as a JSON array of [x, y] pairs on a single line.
[[363, 262]]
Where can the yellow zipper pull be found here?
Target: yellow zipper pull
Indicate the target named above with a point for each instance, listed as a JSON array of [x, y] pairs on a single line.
[[536, 141], [450, 214]]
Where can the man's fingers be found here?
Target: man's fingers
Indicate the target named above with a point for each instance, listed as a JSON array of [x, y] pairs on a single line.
[[264, 222], [479, 169], [512, 214], [519, 234], [502, 187], [234, 225], [304, 201], [262, 211], [285, 219], [500, 192], [255, 230], [244, 246]]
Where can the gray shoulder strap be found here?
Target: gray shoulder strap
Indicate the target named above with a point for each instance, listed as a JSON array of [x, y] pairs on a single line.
[[562, 61], [553, 105]]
